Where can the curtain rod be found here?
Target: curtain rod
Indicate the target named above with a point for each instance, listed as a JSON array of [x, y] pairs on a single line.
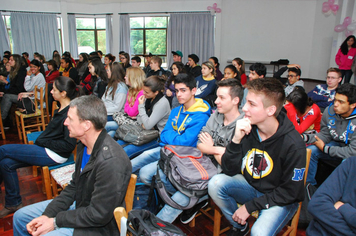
[[30, 12], [88, 14], [137, 13]]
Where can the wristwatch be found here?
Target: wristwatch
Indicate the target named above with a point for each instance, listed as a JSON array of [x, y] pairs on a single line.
[[54, 224]]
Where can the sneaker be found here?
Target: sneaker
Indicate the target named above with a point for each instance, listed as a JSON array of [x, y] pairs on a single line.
[[8, 210], [188, 215], [239, 232]]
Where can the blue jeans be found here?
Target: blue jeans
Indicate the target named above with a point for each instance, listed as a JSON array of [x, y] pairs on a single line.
[[167, 213], [313, 164], [111, 127], [26, 214], [226, 191], [110, 118], [14, 156], [347, 74], [133, 150], [145, 158]]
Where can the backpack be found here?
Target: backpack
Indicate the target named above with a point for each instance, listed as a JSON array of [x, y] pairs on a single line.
[[305, 217], [188, 170], [143, 223]]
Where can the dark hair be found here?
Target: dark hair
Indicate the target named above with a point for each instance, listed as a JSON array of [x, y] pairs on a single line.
[[188, 80], [69, 61], [85, 60], [349, 90], [99, 69], [19, 62], [54, 53], [25, 53], [117, 76], [300, 100], [53, 63], [41, 57], [181, 69], [155, 83], [100, 52], [241, 63], [6, 56], [94, 53], [194, 57], [24, 61], [40, 65], [127, 56], [235, 71], [136, 58], [57, 59], [259, 68], [67, 54], [273, 92], [236, 89], [111, 57], [295, 70], [91, 108], [36, 54], [344, 48], [63, 83], [216, 61], [7, 53], [334, 69]]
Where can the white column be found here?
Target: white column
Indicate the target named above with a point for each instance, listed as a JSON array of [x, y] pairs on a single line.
[[65, 32]]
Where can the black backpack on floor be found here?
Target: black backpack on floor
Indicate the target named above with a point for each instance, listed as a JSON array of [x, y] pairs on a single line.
[[144, 223]]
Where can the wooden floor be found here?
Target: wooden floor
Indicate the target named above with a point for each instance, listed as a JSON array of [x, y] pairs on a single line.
[[31, 192]]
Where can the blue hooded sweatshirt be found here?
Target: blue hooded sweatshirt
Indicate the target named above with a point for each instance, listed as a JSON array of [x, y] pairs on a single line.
[[183, 127]]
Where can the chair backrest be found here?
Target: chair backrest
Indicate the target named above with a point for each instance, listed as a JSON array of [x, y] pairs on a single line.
[[54, 107], [46, 101], [38, 92]]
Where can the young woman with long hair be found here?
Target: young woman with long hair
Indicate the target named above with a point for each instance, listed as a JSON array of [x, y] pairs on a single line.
[[99, 76], [114, 97], [52, 72], [17, 76], [109, 58], [302, 111], [69, 70], [230, 72], [83, 63], [345, 56], [153, 109], [134, 79], [206, 82], [170, 91], [216, 64], [125, 60], [52, 147], [240, 66]]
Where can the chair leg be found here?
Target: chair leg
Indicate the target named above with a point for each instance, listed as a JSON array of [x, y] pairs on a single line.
[[18, 127], [23, 131], [35, 171], [47, 182], [217, 221], [2, 129], [54, 187]]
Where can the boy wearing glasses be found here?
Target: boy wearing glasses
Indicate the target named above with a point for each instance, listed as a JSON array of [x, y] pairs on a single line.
[[263, 165], [293, 77], [323, 94]]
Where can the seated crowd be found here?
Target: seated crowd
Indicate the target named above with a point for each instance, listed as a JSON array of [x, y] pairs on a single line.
[[255, 130]]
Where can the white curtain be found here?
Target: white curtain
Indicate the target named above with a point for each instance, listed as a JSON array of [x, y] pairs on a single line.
[[191, 33], [4, 39], [125, 33], [72, 34], [34, 32], [109, 37]]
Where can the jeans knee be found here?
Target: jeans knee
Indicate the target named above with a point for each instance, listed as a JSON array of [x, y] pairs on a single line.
[[215, 185], [146, 175]]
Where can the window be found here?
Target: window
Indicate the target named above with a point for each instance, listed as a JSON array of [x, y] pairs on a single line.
[[59, 23], [91, 34], [149, 35], [7, 22]]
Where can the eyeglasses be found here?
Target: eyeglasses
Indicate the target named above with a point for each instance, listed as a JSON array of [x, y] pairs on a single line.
[[291, 76], [122, 58], [329, 77]]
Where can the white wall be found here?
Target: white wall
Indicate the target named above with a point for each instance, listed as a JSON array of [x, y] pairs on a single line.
[[255, 30]]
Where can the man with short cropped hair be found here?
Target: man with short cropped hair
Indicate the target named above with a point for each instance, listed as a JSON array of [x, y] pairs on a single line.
[[86, 205], [263, 166], [336, 139], [135, 61], [323, 94]]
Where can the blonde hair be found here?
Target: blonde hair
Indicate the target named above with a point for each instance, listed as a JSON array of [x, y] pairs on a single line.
[[135, 76], [210, 66]]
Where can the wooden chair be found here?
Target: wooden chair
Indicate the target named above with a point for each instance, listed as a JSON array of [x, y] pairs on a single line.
[[45, 170], [120, 212], [291, 229], [39, 115], [2, 128], [48, 115]]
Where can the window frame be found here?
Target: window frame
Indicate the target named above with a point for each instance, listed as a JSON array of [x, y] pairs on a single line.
[[144, 29], [95, 29]]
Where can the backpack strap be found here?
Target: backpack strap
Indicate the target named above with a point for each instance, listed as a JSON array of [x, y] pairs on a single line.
[[167, 199]]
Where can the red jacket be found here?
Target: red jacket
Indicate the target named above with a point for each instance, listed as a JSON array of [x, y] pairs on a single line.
[[51, 76]]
